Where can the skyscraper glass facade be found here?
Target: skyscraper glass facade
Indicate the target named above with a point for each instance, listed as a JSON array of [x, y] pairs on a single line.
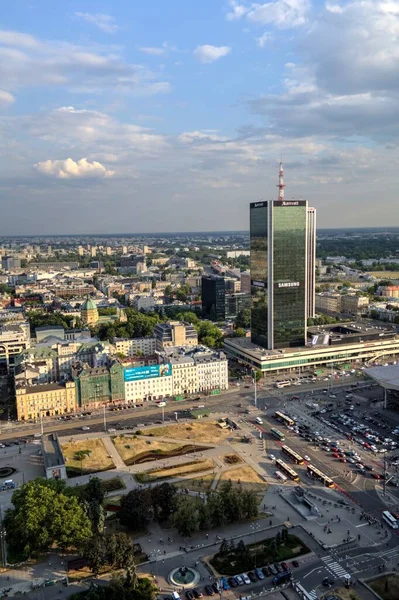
[[278, 242], [289, 273], [259, 272]]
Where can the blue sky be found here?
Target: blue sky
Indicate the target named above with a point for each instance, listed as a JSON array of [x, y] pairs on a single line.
[[172, 115]]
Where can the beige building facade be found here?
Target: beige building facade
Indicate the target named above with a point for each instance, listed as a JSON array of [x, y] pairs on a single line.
[[48, 400]]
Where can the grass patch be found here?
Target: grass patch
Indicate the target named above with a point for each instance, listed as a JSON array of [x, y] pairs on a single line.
[[208, 432], [136, 450], [232, 459], [386, 586], [200, 484], [258, 554], [97, 458], [246, 477], [175, 471], [384, 275]]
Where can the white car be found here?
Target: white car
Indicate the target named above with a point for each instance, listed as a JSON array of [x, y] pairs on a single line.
[[85, 428], [307, 458], [272, 457], [246, 578]]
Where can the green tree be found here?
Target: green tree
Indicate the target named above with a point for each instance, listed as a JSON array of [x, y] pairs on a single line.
[[163, 500], [224, 547], [43, 515], [186, 517], [119, 551], [244, 318], [95, 553], [137, 510]]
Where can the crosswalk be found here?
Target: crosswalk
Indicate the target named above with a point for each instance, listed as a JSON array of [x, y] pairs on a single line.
[[334, 567], [312, 595]]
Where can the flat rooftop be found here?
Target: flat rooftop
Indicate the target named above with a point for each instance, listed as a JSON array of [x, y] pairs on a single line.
[[52, 453]]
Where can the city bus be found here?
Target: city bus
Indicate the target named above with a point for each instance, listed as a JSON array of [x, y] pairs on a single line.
[[284, 468], [297, 458], [277, 434], [390, 519], [280, 476], [284, 419], [327, 481], [283, 384]]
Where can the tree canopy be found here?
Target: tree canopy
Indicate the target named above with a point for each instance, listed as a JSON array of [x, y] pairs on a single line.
[[44, 515]]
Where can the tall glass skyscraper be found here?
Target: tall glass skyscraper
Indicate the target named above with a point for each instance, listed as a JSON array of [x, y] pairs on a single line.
[[279, 242]]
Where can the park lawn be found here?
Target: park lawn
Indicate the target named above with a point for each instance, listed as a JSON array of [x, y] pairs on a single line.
[[386, 586], [246, 477], [200, 484], [139, 449], [176, 471], [98, 460], [208, 432], [258, 554]]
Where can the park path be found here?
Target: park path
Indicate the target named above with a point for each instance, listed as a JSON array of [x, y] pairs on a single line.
[[114, 454]]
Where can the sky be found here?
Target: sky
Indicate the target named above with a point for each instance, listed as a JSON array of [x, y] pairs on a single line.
[[172, 115]]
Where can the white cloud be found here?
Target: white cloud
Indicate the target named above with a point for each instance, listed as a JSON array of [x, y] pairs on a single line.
[[70, 169], [264, 39], [153, 50], [105, 23], [208, 53], [28, 62], [6, 97], [284, 14], [236, 11], [14, 38]]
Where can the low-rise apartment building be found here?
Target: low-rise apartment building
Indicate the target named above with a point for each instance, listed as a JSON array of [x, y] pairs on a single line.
[[135, 346]]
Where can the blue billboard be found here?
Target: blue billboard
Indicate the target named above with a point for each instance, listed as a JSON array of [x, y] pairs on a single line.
[[148, 372]]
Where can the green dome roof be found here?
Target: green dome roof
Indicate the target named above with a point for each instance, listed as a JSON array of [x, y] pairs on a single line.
[[88, 304]]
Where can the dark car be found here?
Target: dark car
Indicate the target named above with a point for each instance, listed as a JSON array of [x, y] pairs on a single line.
[[209, 590], [215, 588], [266, 571], [295, 563], [277, 567], [189, 595], [252, 577], [232, 582], [197, 593], [327, 582]]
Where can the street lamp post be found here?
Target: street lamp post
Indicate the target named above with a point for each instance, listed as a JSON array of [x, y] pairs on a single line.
[[256, 392], [105, 419], [255, 528]]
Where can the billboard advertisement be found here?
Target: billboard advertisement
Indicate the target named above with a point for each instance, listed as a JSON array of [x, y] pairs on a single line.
[[147, 372]]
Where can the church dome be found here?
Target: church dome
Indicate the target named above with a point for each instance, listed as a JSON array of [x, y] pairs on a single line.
[[88, 305]]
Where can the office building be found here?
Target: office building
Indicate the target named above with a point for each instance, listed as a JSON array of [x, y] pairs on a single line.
[[279, 238], [148, 382], [351, 304], [234, 303], [311, 262], [213, 297], [328, 303], [8, 263], [14, 338], [246, 282], [174, 333]]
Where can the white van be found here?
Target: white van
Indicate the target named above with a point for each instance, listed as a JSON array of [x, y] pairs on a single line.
[[175, 596], [259, 420]]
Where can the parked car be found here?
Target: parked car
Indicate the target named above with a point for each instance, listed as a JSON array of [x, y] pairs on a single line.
[[259, 574], [232, 582], [238, 579], [295, 563], [252, 576], [189, 595], [284, 566], [246, 579], [266, 571]]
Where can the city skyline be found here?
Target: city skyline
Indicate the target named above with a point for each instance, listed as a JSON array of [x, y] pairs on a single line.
[[125, 117]]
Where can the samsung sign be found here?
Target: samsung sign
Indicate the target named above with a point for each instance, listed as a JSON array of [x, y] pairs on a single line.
[[149, 372], [288, 284]]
